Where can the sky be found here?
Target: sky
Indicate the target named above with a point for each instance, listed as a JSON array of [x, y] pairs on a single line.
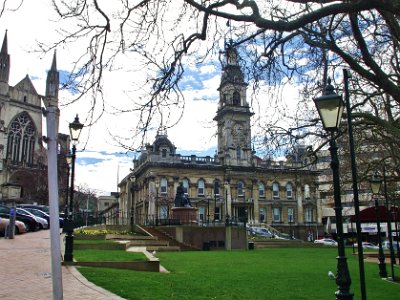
[[101, 164]]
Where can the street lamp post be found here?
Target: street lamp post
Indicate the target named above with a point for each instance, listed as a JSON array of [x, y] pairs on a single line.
[[396, 219], [75, 131], [389, 224], [375, 187], [330, 108], [356, 200]]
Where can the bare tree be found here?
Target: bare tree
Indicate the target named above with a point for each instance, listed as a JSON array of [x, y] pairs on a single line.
[[292, 42]]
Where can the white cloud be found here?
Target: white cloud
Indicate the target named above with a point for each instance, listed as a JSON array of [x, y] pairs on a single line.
[[98, 166]]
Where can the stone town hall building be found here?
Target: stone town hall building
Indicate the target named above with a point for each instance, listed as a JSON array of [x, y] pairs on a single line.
[[23, 159], [235, 183]]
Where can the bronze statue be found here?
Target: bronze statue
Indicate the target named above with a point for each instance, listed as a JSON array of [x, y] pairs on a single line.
[[181, 200]]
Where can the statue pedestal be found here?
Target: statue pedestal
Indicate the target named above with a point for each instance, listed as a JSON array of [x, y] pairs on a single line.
[[185, 215]]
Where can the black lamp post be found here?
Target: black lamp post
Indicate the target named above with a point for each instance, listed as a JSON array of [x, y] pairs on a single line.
[[375, 187], [330, 108], [75, 131], [68, 159], [356, 200], [389, 224], [396, 220]]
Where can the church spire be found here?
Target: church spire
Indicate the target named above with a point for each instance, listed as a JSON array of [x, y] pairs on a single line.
[[53, 81], [4, 61]]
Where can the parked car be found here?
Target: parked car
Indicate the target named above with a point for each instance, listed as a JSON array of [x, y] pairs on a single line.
[[30, 223], [327, 242], [261, 232], [19, 226], [386, 245], [44, 215], [43, 208], [367, 245], [43, 224]]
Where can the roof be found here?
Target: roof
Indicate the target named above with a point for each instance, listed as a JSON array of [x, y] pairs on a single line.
[[370, 214]]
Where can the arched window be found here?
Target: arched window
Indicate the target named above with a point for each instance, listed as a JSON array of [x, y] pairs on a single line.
[[21, 140], [200, 187], [236, 98], [185, 184], [261, 190], [275, 190], [289, 190], [163, 186], [240, 188]]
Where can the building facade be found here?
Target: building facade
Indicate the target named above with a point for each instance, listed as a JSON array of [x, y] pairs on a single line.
[[234, 185], [23, 159]]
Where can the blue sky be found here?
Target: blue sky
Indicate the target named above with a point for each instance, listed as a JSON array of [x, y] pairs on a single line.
[[100, 162]]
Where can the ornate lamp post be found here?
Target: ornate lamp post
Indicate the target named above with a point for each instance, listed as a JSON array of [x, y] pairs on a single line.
[[330, 108], [75, 131], [375, 187]]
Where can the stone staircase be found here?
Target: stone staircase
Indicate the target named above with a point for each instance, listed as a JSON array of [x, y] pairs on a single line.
[[167, 243]]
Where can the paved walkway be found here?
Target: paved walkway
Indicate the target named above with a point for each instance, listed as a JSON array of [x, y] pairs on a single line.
[[25, 272]]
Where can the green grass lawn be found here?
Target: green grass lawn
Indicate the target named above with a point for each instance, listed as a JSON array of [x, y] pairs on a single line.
[[276, 274]]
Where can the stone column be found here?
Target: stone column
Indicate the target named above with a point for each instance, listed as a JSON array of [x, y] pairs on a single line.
[[300, 210], [256, 206]]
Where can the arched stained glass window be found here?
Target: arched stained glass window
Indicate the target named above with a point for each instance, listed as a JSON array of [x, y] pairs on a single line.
[[21, 140]]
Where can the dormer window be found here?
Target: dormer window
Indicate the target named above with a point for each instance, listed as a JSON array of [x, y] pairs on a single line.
[[164, 153]]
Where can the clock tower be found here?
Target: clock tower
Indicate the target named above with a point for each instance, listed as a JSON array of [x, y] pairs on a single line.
[[233, 115]]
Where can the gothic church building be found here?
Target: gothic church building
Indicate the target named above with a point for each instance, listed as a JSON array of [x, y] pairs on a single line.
[[23, 163]]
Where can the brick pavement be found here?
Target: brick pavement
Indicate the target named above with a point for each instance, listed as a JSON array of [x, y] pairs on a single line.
[[25, 272]]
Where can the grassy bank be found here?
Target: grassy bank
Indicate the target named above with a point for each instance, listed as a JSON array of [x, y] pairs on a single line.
[[276, 274]]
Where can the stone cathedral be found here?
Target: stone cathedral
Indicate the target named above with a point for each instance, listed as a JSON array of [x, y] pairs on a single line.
[[23, 160]]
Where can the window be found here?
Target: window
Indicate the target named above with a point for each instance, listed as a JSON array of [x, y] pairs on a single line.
[[216, 188], [240, 189], [185, 184], [261, 190], [306, 191], [164, 153], [275, 190], [217, 213], [309, 214], [200, 187], [263, 213], [202, 213], [289, 190], [21, 140], [236, 98], [290, 213], [106, 203], [238, 153], [163, 186], [276, 217], [163, 212]]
